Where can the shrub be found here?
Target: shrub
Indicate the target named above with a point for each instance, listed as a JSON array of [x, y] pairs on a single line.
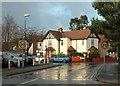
[[107, 56], [34, 54], [61, 54], [93, 55]]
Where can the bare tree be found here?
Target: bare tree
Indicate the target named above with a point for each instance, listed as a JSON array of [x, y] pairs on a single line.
[[0, 37], [9, 31]]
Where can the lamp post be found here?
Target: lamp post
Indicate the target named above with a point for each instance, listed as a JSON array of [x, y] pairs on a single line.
[[25, 15]]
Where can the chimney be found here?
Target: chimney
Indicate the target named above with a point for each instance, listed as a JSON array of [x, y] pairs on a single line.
[[60, 30]]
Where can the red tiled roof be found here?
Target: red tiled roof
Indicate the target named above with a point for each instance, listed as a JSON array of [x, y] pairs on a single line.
[[78, 34], [71, 48], [56, 34], [50, 49], [39, 38], [92, 48], [102, 37]]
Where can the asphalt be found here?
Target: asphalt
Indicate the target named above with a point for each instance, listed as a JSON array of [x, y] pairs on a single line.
[[16, 70], [109, 73]]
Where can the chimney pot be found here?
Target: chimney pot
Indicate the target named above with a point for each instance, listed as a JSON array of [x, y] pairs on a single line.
[[60, 30]]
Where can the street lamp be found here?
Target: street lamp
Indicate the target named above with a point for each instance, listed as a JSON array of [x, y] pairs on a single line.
[[26, 15]]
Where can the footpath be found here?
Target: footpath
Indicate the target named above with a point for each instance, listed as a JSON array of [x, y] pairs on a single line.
[[16, 70], [109, 74]]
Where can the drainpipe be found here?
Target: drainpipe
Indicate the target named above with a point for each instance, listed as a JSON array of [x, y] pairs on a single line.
[[76, 45]]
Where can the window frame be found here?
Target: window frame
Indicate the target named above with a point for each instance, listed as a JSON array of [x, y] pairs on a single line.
[[92, 42], [83, 42]]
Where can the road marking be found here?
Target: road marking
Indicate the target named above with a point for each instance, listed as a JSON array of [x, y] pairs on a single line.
[[96, 71], [29, 81]]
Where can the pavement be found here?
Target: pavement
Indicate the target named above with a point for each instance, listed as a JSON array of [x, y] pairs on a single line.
[[109, 73], [16, 70]]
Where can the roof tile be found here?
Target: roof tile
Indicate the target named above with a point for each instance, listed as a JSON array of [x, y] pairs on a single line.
[[78, 34], [71, 48]]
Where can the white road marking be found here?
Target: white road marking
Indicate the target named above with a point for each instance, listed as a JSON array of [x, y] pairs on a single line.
[[96, 71], [29, 81]]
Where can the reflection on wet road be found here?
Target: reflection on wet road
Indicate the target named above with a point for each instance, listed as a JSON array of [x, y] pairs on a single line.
[[71, 71]]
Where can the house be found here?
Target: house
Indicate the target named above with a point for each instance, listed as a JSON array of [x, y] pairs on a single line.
[[82, 41], [36, 44]]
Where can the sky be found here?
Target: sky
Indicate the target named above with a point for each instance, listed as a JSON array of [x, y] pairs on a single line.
[[48, 15]]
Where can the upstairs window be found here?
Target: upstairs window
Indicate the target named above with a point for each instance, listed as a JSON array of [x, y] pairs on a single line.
[[40, 44], [61, 42], [49, 43], [92, 42], [82, 42]]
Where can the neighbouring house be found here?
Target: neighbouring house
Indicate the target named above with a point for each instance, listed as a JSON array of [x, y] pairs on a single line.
[[112, 52], [39, 49], [36, 44], [82, 41]]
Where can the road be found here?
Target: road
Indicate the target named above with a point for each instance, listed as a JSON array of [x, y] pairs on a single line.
[[69, 73]]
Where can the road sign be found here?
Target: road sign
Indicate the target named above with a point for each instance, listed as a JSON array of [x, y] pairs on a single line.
[[22, 44], [104, 45]]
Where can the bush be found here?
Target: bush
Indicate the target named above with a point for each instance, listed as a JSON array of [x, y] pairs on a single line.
[[34, 54], [107, 56], [61, 54], [93, 55]]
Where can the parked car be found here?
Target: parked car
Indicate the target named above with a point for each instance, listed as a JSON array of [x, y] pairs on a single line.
[[27, 58], [37, 58], [5, 58], [60, 59], [0, 59]]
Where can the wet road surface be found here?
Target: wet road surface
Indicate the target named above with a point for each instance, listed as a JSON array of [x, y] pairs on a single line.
[[71, 73], [110, 73]]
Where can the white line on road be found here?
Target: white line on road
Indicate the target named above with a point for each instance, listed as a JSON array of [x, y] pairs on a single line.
[[29, 81], [96, 70]]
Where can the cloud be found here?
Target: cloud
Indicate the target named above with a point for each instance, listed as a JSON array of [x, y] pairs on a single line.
[[50, 15], [55, 9], [49, 0]]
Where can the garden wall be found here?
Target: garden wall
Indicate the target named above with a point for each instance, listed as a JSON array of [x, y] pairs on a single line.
[[102, 59], [78, 59]]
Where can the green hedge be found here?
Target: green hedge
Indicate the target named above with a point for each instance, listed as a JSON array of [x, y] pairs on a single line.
[[93, 55], [61, 54]]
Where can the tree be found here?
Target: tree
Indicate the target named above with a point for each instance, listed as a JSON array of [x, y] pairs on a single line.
[[0, 38], [111, 13], [9, 28], [9, 32], [78, 23], [97, 26]]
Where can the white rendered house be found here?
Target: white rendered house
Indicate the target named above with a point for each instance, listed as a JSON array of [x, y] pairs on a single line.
[[55, 42]]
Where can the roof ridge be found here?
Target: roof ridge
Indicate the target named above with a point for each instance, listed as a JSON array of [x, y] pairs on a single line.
[[53, 30], [77, 30]]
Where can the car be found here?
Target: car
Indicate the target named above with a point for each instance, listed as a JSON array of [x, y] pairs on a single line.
[[0, 59], [5, 58], [60, 59], [37, 58]]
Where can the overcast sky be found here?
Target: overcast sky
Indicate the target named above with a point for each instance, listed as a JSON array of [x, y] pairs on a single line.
[[50, 15]]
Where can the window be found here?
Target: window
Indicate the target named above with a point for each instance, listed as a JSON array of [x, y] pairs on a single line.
[[92, 42], [82, 42], [49, 43], [40, 44], [61, 42]]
